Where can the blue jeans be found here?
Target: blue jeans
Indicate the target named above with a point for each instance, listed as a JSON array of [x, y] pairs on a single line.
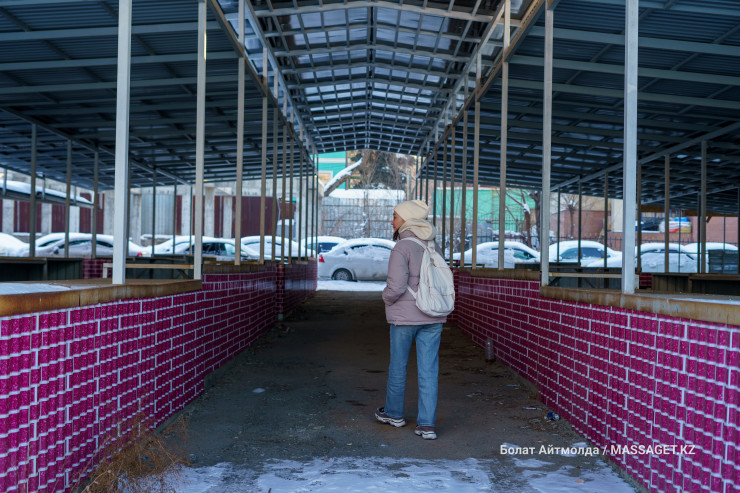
[[427, 361]]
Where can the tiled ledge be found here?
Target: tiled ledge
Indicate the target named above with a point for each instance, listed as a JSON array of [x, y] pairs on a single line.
[[521, 274], [85, 292], [702, 307]]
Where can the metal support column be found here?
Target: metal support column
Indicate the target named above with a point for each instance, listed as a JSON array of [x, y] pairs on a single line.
[[299, 203], [275, 139], [476, 160], [544, 218], [32, 226], [703, 208], [123, 92], [154, 206], [638, 259], [606, 218], [580, 217], [67, 202], [96, 203], [263, 179], [629, 167], [174, 215], [667, 211], [200, 139], [464, 185], [444, 198], [434, 186], [239, 140], [282, 205], [504, 136], [452, 192]]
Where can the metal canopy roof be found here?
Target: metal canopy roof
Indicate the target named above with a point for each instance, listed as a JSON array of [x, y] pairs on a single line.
[[381, 74]]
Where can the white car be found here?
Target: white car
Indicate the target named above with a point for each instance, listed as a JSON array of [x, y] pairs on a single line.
[[221, 248], [487, 254], [652, 259], [590, 252], [253, 242], [321, 244], [80, 245], [721, 257], [361, 259], [10, 246]]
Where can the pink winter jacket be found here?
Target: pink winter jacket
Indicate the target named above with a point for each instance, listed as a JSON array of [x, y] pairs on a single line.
[[403, 270]]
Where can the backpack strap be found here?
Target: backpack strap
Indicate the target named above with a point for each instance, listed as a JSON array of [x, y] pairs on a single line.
[[421, 244], [418, 242]]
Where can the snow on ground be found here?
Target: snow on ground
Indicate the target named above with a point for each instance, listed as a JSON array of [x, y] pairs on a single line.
[[29, 287], [350, 285], [383, 474]]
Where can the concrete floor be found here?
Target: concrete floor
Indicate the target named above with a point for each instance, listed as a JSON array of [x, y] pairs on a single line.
[[307, 390]]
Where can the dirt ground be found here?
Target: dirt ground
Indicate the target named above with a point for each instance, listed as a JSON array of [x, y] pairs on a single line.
[[308, 389]]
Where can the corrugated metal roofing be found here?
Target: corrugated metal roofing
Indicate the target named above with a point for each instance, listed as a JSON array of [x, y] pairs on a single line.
[[379, 74]]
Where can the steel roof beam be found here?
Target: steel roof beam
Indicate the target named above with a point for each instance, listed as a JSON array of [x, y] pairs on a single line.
[[328, 7], [644, 42], [609, 68], [365, 47], [99, 32], [618, 95]]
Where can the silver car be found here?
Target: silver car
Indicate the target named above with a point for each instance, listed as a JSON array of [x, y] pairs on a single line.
[[361, 259]]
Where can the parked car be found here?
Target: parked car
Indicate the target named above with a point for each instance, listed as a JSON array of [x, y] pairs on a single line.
[[221, 248], [296, 251], [361, 259], [321, 244], [487, 254], [590, 251], [10, 246], [652, 259], [80, 245], [721, 257]]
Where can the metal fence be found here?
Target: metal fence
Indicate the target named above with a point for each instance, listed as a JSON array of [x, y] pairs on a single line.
[[362, 217]]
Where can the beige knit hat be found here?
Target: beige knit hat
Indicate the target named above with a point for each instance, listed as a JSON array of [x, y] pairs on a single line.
[[412, 209]]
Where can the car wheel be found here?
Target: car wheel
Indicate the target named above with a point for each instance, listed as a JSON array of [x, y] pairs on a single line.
[[342, 275]]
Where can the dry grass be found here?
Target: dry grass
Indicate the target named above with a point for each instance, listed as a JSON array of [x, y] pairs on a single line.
[[139, 460]]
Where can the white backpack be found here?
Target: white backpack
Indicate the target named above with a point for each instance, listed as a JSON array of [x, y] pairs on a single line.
[[436, 293]]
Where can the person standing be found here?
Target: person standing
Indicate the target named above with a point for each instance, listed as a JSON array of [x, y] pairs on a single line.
[[409, 324]]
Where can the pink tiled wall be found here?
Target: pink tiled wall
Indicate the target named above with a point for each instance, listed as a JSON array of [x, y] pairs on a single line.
[[622, 377], [295, 282], [69, 377], [92, 268]]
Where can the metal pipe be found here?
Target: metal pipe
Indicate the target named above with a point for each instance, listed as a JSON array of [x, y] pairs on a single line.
[[67, 199], [275, 138], [94, 214], [476, 160], [200, 138], [639, 217], [667, 212], [154, 205], [452, 192], [263, 186], [546, 152], [504, 137], [606, 217], [464, 188], [630, 147], [444, 197], [123, 95], [32, 226], [434, 188], [703, 200], [239, 141]]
